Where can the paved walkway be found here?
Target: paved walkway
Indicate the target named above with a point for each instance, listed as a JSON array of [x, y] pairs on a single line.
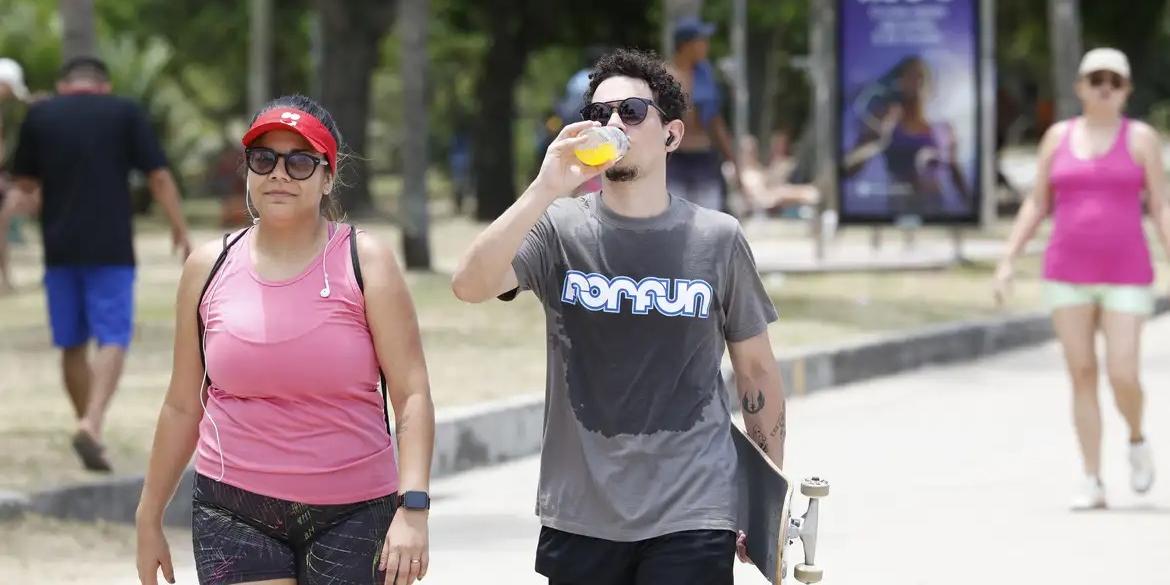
[[956, 475]]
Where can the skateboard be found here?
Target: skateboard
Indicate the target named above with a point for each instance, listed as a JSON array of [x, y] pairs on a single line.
[[765, 498]]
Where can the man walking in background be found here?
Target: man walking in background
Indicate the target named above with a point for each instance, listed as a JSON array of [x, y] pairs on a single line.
[[73, 157], [694, 170]]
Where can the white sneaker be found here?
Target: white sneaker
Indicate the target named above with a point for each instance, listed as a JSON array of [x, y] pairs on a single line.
[[1090, 495], [1141, 463]]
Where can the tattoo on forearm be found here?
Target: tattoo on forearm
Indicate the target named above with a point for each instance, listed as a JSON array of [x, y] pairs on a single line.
[[757, 435], [401, 424], [781, 429], [753, 407]]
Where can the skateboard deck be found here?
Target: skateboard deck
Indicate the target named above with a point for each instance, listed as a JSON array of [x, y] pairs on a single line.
[[765, 496]]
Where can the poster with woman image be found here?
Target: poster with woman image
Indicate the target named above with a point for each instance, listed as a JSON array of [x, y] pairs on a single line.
[[909, 127]]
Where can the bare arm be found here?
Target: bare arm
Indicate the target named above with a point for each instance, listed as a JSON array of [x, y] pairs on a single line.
[[723, 141], [166, 192], [761, 394], [398, 343], [27, 195], [1148, 146], [1038, 204], [486, 269], [394, 328], [1035, 208], [178, 422]]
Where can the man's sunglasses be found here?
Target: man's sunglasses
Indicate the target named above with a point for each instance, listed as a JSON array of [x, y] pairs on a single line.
[[631, 110], [1099, 78], [298, 165]]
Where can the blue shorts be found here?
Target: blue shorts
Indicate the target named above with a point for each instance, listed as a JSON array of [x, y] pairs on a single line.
[[90, 302]]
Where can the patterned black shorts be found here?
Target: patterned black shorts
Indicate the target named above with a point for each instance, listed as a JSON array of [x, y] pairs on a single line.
[[241, 536]]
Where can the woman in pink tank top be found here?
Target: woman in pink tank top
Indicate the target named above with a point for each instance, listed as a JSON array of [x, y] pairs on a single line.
[[1094, 171], [283, 331]]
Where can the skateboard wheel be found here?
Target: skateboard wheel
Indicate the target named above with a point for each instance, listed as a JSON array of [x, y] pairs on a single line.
[[808, 573], [814, 487]]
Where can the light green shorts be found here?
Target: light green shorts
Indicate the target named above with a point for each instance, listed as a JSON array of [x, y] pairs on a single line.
[[1111, 297]]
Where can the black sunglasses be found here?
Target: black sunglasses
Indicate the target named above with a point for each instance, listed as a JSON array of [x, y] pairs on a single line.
[[298, 165], [1098, 78], [631, 110]]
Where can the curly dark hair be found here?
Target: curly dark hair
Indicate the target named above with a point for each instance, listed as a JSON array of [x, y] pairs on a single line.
[[647, 66]]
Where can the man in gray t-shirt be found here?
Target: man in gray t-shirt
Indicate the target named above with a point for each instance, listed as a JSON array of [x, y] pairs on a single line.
[[642, 293]]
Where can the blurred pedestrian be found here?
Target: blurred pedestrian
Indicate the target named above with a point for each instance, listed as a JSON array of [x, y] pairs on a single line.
[[12, 87], [568, 109], [72, 161], [1093, 170], [643, 291], [694, 170], [296, 474]]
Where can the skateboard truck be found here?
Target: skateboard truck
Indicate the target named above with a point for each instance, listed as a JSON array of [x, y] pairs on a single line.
[[805, 529]]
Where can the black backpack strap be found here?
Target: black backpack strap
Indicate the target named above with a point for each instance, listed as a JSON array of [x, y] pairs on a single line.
[[215, 268], [357, 275], [353, 258]]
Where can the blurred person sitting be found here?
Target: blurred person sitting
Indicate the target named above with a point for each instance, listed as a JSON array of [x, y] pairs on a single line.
[[11, 87], [768, 187]]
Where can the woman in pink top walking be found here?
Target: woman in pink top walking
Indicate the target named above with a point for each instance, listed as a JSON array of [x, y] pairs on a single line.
[[1092, 174], [282, 332]]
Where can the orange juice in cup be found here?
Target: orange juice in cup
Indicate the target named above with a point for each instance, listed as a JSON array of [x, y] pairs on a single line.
[[602, 145]]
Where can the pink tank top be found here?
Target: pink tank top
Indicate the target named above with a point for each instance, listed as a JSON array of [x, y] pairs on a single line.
[[1097, 235], [294, 383]]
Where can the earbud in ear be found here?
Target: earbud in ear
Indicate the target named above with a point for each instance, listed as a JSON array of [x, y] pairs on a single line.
[[670, 140]]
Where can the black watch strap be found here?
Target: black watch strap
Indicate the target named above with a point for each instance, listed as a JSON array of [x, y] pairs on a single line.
[[414, 500]]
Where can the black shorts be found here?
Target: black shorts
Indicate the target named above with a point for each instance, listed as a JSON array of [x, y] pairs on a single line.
[[694, 557], [242, 536]]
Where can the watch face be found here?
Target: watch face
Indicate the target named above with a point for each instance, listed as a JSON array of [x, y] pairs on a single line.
[[416, 500]]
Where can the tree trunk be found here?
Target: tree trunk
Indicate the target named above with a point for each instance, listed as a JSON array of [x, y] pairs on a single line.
[[495, 175], [1064, 38], [78, 26], [352, 31], [412, 31], [259, 54]]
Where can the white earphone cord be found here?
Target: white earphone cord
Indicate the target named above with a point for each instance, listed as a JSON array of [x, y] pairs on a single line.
[[203, 383], [203, 341]]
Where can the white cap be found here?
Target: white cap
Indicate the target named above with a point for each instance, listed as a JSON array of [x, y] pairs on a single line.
[[1104, 59], [12, 75]]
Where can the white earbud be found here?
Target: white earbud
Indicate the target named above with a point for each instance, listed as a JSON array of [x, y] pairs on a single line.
[[324, 258], [248, 204]]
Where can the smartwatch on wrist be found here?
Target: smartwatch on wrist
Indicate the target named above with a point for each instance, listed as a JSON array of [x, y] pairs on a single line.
[[414, 500]]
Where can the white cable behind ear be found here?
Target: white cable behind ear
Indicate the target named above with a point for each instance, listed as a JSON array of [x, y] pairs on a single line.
[[248, 204]]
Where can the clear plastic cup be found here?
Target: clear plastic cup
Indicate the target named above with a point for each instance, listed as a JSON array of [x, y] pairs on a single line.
[[602, 145]]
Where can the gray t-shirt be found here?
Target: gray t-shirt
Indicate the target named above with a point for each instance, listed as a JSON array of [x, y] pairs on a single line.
[[637, 425]]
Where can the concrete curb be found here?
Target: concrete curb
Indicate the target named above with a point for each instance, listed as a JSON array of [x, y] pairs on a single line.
[[484, 434], [12, 505]]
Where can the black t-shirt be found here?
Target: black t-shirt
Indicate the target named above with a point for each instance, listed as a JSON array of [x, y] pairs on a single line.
[[81, 148]]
